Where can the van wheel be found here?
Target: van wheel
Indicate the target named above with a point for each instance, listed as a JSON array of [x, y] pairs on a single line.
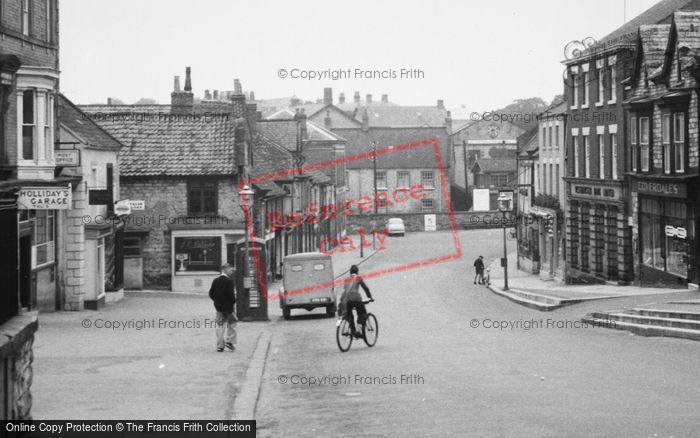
[[330, 310], [286, 313]]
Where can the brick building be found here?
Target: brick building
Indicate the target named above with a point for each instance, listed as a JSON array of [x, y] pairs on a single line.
[[662, 114], [29, 77]]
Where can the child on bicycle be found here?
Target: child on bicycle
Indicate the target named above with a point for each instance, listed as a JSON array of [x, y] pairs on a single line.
[[351, 299]]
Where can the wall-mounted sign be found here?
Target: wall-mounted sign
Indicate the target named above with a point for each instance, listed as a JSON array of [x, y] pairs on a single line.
[[67, 158], [137, 205], [99, 197], [662, 188], [430, 222], [678, 232], [122, 208], [181, 257], [44, 198]]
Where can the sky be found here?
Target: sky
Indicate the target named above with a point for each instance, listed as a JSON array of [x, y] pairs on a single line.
[[480, 55]]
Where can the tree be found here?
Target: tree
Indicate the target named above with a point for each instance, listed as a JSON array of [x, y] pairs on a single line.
[[524, 111], [146, 101]]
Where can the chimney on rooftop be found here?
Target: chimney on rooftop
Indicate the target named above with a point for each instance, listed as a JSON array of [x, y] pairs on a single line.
[[365, 120], [237, 88], [207, 94], [356, 97], [216, 94], [238, 99], [188, 79], [182, 102], [341, 98], [109, 101], [448, 122], [369, 99], [441, 104], [328, 96], [252, 96], [327, 122], [385, 98]]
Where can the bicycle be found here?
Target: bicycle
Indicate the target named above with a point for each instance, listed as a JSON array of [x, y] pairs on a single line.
[[370, 330]]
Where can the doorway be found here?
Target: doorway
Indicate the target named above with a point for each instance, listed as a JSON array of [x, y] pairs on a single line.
[[25, 272]]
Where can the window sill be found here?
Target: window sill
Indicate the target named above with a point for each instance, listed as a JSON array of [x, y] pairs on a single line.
[[612, 102], [584, 106], [599, 104]]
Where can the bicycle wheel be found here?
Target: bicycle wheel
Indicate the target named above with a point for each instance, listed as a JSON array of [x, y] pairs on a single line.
[[370, 330], [343, 336]]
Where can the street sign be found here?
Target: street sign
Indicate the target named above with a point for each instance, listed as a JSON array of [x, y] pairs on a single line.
[[67, 157], [44, 198], [122, 208], [99, 197], [137, 205]]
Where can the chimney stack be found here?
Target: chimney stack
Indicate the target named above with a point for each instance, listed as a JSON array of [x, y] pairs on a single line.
[[216, 94], [188, 80], [302, 125], [365, 120], [356, 97], [328, 96], [109, 101], [182, 102], [369, 99], [238, 99], [327, 120], [252, 96], [207, 95], [385, 98], [341, 98], [237, 88], [441, 104]]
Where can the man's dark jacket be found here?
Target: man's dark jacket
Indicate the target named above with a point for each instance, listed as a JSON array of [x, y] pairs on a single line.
[[479, 264], [222, 292]]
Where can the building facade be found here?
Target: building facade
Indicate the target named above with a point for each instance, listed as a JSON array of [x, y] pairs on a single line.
[[662, 114]]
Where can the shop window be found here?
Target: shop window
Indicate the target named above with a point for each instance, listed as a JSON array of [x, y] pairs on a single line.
[[44, 234], [667, 228], [202, 198], [197, 254]]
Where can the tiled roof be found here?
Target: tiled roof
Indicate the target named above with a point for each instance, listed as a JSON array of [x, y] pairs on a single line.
[[174, 146], [654, 40], [283, 132], [79, 123], [687, 25], [316, 132], [201, 107], [359, 141], [661, 12], [490, 165], [270, 157]]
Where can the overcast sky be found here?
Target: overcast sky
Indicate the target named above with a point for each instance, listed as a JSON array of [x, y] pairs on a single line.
[[480, 54]]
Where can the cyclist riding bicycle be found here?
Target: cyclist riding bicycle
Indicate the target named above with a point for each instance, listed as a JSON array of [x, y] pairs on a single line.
[[351, 299]]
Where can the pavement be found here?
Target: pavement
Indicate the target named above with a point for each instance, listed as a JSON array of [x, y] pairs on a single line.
[[531, 291]]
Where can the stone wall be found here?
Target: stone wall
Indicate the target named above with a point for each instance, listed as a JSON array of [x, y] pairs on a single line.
[[72, 271], [17, 357]]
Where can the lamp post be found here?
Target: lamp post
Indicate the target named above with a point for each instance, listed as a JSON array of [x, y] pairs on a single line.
[[246, 195], [504, 207]]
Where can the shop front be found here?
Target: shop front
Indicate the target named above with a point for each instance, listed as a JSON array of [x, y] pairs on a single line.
[[197, 255], [667, 224]]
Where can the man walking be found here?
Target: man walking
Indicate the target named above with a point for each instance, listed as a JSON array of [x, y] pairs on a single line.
[[223, 294], [479, 266]]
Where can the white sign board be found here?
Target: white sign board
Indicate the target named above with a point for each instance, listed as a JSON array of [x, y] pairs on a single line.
[[137, 205], [430, 222], [44, 198], [122, 208], [67, 158], [678, 232], [482, 200]]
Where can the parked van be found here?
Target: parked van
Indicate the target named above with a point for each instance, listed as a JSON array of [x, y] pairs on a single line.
[[308, 270]]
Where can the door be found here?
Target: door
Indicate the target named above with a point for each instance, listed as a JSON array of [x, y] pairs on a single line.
[[25, 271]]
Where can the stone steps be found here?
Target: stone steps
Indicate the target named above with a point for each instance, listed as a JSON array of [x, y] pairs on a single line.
[[650, 322]]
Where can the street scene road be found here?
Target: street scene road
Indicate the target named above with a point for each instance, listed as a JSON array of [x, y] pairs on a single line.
[[460, 380]]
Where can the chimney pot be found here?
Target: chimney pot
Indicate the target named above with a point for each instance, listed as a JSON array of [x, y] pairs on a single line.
[[369, 99], [328, 96], [341, 98], [356, 97], [216, 94], [440, 104], [237, 88], [176, 86], [385, 98], [188, 79], [207, 94]]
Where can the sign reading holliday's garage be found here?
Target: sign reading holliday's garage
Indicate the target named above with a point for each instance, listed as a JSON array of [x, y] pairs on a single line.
[[44, 198]]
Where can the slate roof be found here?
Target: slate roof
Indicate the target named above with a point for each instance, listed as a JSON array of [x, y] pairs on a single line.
[[687, 25], [359, 141], [492, 165], [281, 131], [315, 132], [270, 157], [653, 40], [660, 13], [173, 146], [79, 123]]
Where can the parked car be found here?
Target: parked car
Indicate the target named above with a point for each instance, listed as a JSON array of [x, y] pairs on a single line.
[[308, 270], [395, 226]]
